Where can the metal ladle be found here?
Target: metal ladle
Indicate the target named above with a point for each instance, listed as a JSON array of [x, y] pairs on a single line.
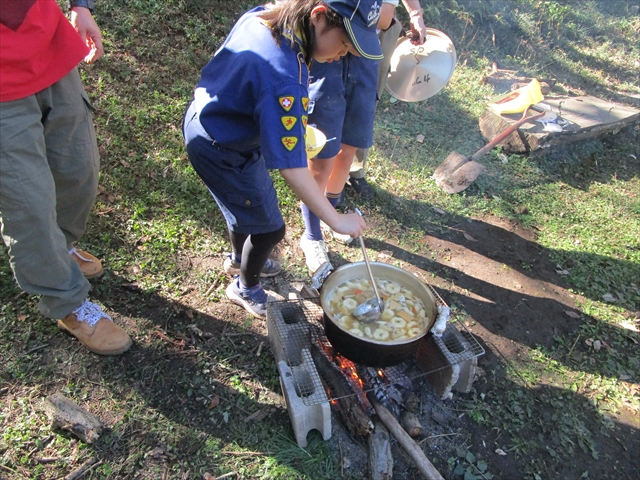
[[370, 310]]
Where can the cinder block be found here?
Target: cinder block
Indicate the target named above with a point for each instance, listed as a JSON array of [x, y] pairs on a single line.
[[467, 375], [304, 418], [453, 349], [288, 333]]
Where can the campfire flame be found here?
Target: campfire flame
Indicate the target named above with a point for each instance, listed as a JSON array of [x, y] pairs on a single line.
[[349, 370]]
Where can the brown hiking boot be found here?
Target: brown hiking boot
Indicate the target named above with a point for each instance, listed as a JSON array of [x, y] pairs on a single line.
[[95, 330], [91, 267]]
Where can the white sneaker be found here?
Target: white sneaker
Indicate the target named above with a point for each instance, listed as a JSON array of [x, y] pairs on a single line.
[[316, 253], [342, 238]]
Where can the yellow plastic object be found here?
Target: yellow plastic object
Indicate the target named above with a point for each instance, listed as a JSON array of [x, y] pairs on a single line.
[[314, 141], [518, 100]]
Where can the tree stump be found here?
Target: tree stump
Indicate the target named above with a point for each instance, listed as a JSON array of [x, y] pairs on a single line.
[[585, 118]]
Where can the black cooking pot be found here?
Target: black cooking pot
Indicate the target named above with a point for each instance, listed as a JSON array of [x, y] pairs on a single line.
[[368, 352]]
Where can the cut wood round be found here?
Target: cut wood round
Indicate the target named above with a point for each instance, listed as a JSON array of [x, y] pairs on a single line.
[[411, 424]]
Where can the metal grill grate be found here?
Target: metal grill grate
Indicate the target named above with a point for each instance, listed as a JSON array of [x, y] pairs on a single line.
[[298, 323]]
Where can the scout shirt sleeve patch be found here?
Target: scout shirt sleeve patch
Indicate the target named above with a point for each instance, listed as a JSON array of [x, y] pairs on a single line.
[[280, 115], [305, 103], [286, 102], [289, 142], [304, 119], [288, 122]]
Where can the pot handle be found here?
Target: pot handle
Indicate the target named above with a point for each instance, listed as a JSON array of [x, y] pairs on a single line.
[[321, 275]]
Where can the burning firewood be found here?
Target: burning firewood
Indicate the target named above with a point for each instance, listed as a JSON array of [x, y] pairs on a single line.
[[348, 405]]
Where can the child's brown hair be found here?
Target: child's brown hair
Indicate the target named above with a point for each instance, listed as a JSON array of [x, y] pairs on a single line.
[[294, 17]]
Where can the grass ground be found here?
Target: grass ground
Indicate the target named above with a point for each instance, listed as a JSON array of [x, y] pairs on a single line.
[[199, 392]]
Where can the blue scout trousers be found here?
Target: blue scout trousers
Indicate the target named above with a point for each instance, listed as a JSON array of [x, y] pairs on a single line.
[[49, 166]]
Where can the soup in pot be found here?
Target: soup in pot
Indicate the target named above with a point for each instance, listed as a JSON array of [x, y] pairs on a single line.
[[403, 318]]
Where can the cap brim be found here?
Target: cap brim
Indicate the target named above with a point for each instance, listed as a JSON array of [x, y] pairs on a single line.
[[364, 40]]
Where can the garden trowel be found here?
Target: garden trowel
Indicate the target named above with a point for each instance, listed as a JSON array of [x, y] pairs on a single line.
[[457, 172]]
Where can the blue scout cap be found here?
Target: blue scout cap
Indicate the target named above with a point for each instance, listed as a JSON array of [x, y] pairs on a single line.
[[361, 19]]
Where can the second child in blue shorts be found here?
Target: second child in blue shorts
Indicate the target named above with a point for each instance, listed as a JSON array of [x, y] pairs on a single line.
[[249, 115], [342, 105]]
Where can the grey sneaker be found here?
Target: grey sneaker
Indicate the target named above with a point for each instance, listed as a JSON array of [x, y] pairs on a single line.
[[256, 303], [316, 253], [270, 269], [345, 239]]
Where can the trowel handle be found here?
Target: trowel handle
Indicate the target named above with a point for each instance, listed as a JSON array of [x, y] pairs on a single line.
[[487, 148]]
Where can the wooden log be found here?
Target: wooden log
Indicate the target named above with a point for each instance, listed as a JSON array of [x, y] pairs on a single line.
[[380, 456], [416, 454], [411, 424], [353, 414], [66, 415]]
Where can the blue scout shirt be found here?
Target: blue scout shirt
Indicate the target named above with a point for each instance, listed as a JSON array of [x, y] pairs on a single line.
[[253, 94]]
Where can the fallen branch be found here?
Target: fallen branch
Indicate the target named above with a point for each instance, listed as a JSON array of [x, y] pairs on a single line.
[[35, 349], [84, 468], [411, 424]]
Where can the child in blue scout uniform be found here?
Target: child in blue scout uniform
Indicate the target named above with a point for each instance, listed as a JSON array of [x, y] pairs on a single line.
[[249, 115]]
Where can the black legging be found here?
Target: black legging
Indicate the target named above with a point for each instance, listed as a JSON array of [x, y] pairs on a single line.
[[255, 251]]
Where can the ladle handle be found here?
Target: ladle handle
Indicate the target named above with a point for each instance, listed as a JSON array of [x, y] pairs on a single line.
[[366, 261]]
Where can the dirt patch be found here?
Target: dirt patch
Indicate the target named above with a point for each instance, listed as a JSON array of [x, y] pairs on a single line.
[[199, 359]]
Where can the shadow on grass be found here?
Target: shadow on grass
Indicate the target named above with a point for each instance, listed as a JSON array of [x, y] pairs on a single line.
[[196, 393]]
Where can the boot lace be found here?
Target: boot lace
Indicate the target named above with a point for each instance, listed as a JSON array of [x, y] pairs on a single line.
[[90, 313]]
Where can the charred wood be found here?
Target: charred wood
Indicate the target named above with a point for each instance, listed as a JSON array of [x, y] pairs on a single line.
[[412, 403], [380, 456], [414, 451], [352, 413]]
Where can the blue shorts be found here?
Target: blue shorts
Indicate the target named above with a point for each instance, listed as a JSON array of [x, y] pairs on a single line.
[[342, 102], [240, 184]]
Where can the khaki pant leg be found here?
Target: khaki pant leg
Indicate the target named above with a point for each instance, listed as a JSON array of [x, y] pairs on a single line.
[[72, 152], [43, 179], [388, 40]]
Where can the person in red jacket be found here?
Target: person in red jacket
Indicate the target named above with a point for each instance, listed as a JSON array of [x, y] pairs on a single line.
[[49, 163]]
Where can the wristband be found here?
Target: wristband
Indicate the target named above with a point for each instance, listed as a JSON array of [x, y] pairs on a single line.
[[83, 3], [414, 13]]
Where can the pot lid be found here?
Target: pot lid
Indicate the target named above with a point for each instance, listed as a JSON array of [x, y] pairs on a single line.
[[420, 71]]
